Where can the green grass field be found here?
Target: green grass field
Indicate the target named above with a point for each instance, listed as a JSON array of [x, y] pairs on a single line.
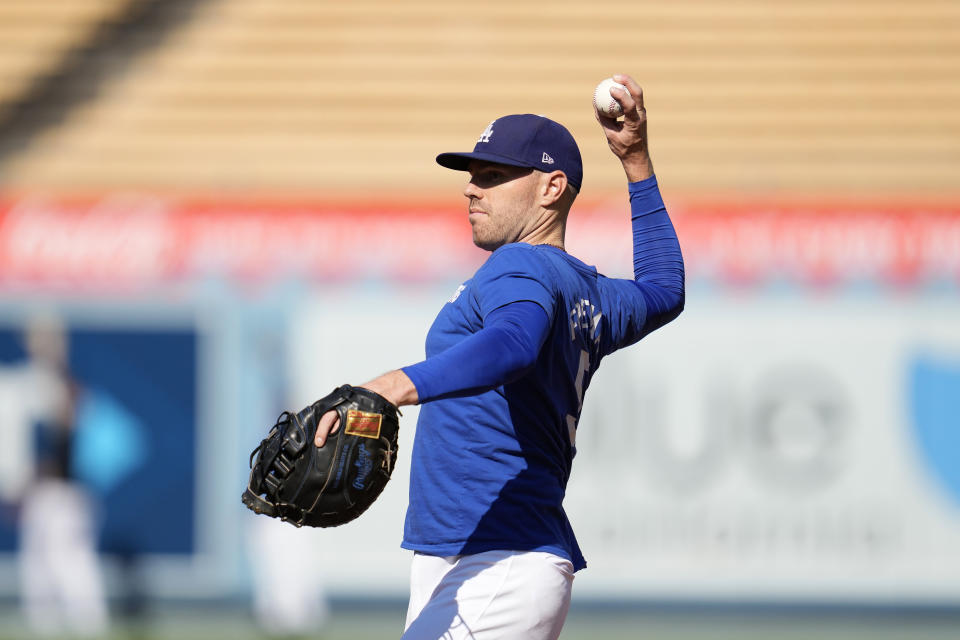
[[380, 622]]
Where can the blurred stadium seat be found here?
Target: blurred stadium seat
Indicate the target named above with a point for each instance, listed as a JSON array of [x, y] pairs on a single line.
[[356, 98], [36, 38]]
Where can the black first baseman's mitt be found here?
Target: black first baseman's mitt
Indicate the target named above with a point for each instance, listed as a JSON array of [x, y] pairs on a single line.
[[294, 480]]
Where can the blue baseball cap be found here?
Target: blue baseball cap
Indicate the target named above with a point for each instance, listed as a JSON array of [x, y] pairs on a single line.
[[524, 140]]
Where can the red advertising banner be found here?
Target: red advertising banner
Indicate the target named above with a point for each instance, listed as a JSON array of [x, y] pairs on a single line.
[[131, 242], [136, 241], [824, 245]]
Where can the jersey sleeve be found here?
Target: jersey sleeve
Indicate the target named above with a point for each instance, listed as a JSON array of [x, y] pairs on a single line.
[[656, 294], [503, 350], [513, 273]]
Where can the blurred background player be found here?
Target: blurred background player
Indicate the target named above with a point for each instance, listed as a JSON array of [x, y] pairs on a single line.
[[288, 595], [62, 585], [80, 444]]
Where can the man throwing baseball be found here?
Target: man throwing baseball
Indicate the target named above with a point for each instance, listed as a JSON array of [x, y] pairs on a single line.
[[509, 358]]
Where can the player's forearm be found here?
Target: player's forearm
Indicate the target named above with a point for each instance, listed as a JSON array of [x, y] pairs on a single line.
[[657, 259], [395, 386]]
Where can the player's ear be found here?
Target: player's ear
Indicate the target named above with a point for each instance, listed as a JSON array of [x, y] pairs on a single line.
[[554, 185]]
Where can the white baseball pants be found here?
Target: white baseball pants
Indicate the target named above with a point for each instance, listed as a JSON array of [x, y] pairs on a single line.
[[496, 595], [62, 588]]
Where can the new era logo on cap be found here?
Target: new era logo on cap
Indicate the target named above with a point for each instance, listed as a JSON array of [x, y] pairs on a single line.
[[524, 140]]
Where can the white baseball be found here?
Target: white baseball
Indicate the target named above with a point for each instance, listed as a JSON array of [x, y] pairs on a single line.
[[604, 102]]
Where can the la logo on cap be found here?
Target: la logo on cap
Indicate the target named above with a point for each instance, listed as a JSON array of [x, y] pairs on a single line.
[[485, 136]]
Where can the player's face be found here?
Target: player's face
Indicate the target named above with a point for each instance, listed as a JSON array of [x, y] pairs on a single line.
[[502, 202]]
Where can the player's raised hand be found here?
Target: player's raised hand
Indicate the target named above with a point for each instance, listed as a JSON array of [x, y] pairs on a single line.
[[627, 138]]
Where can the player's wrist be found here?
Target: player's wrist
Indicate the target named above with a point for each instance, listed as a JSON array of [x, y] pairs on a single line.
[[637, 166], [395, 386]]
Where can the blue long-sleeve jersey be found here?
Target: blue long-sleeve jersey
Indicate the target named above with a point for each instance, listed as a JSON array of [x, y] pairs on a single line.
[[508, 361]]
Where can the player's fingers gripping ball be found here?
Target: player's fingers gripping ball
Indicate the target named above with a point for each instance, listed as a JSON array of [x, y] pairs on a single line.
[[296, 481], [604, 102]]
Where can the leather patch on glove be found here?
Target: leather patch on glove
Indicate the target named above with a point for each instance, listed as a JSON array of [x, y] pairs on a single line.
[[363, 424]]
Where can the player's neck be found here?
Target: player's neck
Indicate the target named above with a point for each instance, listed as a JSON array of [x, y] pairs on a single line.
[[552, 239], [554, 244], [549, 231]]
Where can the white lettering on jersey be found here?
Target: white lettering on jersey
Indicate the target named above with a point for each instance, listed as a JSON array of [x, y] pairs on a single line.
[[456, 294], [585, 317], [584, 323]]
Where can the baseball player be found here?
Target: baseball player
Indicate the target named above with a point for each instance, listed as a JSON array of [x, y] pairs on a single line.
[[509, 358]]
